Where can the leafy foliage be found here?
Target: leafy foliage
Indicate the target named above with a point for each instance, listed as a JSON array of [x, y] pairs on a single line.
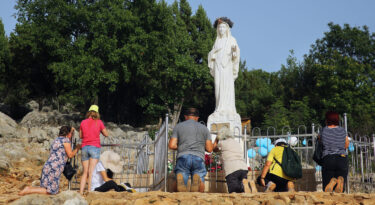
[[141, 59], [341, 71], [136, 59], [337, 74], [4, 59]]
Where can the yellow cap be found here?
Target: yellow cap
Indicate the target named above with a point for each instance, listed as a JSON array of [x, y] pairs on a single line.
[[94, 108]]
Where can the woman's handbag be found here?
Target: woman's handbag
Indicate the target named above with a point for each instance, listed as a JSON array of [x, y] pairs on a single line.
[[318, 152], [69, 171]]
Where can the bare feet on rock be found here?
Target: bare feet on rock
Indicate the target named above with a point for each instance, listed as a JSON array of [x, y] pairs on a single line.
[[25, 191], [246, 186]]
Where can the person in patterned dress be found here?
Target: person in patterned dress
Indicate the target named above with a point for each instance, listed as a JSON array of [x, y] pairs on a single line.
[[60, 151]]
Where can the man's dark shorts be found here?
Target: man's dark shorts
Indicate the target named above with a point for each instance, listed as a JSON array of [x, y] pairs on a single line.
[[281, 183], [189, 165]]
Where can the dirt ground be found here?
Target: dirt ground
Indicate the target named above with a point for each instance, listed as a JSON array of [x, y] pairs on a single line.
[[27, 172]]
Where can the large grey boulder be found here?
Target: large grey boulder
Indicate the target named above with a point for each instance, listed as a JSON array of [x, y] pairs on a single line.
[[50, 118], [65, 198], [7, 126], [4, 165], [42, 135], [38, 135], [33, 105], [34, 119], [12, 151], [67, 108]]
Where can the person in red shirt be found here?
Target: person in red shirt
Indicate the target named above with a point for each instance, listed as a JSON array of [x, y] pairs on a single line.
[[89, 132]]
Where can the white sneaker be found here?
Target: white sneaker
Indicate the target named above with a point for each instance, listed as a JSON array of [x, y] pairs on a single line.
[[127, 187], [270, 187]]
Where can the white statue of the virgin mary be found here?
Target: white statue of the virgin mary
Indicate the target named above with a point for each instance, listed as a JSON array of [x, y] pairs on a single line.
[[223, 61]]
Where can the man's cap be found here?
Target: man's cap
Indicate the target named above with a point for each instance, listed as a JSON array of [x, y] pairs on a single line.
[[94, 108], [192, 112]]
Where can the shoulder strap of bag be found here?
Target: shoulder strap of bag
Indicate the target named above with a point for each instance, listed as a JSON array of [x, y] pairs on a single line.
[[277, 161]]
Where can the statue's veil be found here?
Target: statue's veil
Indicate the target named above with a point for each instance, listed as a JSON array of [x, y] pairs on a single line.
[[228, 34]]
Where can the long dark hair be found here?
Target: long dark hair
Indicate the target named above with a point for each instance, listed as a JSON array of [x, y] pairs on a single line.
[[109, 173]]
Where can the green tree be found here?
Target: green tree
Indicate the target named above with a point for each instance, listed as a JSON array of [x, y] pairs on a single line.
[[4, 59], [255, 93], [42, 30], [201, 91], [340, 73], [278, 117], [136, 59], [301, 114], [291, 80]]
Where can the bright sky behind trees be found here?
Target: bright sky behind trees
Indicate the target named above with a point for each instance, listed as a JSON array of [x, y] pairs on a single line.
[[267, 30]]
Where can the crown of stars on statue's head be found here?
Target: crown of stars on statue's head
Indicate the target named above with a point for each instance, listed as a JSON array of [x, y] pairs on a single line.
[[223, 19]]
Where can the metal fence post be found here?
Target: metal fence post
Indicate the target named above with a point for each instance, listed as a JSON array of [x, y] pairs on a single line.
[[346, 132], [313, 134], [245, 144], [373, 141], [166, 149], [345, 123], [361, 157]]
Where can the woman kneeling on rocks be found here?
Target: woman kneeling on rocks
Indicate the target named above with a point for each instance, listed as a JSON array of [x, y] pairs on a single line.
[[234, 164], [60, 151], [335, 159], [273, 176]]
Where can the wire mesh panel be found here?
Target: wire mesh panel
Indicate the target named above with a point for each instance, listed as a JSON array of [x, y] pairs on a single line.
[[141, 169], [145, 162], [361, 164], [260, 142], [160, 162]]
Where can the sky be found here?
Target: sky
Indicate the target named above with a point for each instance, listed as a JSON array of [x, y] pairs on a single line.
[[266, 30]]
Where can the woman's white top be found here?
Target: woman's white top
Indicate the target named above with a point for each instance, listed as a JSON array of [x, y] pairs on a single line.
[[97, 179]]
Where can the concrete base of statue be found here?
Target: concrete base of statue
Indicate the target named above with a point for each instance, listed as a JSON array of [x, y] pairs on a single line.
[[231, 120], [217, 120]]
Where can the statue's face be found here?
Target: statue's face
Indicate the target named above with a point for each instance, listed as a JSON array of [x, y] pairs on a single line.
[[222, 29]]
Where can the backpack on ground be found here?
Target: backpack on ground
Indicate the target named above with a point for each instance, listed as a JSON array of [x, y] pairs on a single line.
[[291, 163]]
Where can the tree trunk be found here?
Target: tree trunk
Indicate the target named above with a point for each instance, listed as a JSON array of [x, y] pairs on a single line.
[[96, 100], [176, 112]]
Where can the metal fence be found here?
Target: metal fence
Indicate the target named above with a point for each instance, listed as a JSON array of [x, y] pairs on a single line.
[[361, 164], [144, 161], [259, 143]]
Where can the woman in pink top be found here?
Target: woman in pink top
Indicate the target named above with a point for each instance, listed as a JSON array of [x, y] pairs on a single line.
[[89, 132]]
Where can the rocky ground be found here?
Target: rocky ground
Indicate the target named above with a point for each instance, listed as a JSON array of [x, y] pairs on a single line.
[[24, 149], [157, 197]]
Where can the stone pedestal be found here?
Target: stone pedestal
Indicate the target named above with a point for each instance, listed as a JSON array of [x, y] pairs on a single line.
[[232, 120]]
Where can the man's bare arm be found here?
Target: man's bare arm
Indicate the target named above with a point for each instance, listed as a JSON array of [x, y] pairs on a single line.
[[173, 143], [215, 147], [209, 146]]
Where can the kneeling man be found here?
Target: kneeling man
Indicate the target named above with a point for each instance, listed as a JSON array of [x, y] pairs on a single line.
[[191, 139]]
